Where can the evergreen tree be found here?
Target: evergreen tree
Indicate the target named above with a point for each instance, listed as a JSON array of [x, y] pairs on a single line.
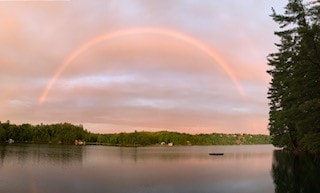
[[295, 91]]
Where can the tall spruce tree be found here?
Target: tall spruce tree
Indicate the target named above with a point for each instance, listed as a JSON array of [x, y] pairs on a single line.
[[294, 93]]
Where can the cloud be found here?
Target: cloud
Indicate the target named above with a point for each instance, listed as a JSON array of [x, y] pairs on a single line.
[[142, 81]]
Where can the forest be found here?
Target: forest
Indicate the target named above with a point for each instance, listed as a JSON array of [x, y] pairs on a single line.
[[294, 93], [66, 133]]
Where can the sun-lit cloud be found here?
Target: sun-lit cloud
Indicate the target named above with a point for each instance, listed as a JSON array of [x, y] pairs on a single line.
[[141, 80], [143, 31]]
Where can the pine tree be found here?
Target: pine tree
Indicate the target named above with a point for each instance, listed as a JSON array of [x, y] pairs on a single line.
[[294, 93]]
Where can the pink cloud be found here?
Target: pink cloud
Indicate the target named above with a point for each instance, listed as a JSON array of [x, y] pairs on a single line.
[[139, 81]]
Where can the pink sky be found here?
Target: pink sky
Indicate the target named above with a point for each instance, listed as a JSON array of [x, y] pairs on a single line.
[[138, 81]]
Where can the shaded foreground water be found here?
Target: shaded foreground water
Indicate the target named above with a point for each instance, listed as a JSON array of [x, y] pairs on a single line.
[[78, 169]]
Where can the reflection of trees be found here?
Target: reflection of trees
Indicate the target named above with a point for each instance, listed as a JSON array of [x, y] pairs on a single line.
[[57, 154], [41, 154], [295, 173], [2, 153]]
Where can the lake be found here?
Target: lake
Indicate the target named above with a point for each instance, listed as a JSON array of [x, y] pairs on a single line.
[[187, 169]]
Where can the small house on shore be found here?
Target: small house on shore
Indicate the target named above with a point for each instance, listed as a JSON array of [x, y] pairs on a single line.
[[79, 142]]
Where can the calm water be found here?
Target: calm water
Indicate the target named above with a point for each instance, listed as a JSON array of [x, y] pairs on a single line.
[[74, 169]]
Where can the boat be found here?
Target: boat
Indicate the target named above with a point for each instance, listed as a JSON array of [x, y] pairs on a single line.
[[216, 154]]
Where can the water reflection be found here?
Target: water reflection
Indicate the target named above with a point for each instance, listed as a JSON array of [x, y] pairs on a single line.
[[179, 153], [295, 173], [52, 169], [40, 155]]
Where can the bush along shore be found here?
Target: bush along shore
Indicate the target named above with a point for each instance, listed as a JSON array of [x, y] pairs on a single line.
[[66, 133]]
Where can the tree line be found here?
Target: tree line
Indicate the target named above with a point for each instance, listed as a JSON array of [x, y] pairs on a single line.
[[66, 133], [294, 93], [62, 133], [165, 137]]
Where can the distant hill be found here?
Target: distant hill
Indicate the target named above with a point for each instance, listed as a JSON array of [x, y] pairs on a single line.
[[66, 133]]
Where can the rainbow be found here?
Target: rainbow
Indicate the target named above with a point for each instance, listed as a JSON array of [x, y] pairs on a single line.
[[157, 31]]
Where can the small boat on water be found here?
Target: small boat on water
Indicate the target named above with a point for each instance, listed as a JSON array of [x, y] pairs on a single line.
[[217, 154]]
